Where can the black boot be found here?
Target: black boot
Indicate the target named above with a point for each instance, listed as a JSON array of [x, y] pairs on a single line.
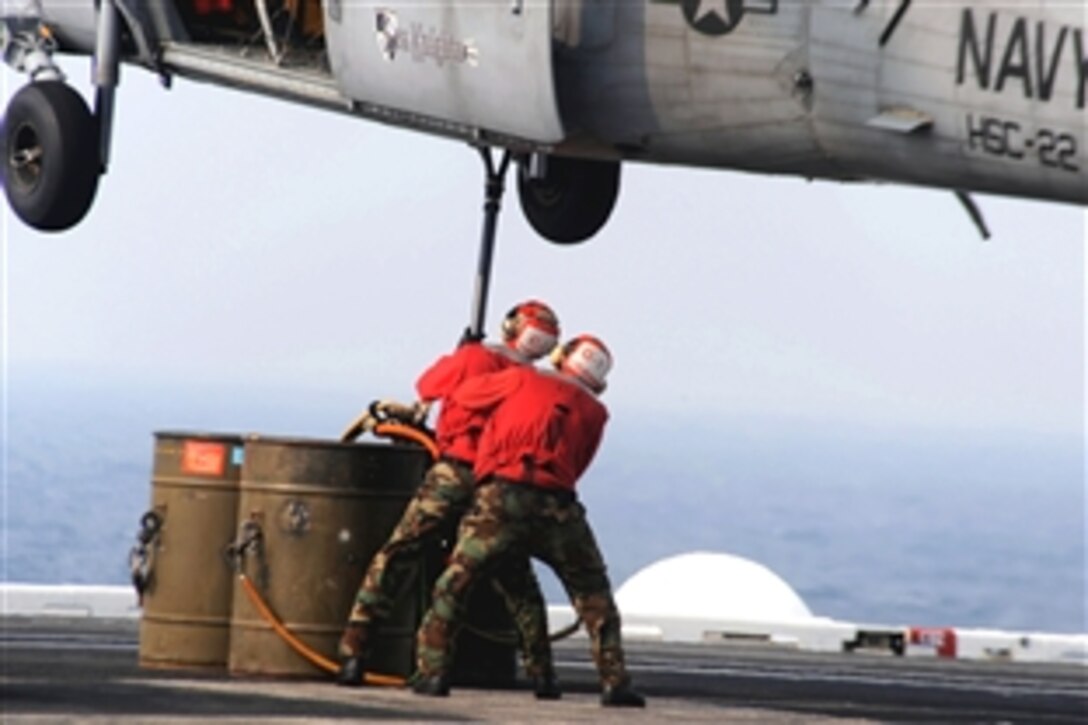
[[352, 649], [431, 685], [351, 671], [546, 687], [621, 696]]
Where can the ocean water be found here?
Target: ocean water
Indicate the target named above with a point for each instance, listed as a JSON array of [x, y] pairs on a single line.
[[895, 527]]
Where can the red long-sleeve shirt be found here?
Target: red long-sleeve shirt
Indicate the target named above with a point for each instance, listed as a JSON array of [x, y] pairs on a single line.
[[542, 429], [457, 429]]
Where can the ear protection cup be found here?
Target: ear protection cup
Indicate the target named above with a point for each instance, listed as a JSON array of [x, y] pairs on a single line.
[[510, 323], [561, 352]]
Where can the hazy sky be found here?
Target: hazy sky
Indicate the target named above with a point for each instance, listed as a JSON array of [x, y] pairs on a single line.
[[243, 240]]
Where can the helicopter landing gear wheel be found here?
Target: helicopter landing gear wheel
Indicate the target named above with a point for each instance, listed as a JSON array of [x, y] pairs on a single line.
[[50, 168], [572, 201]]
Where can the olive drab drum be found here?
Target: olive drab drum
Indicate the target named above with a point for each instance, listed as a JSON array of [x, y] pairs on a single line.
[[311, 516], [179, 566]]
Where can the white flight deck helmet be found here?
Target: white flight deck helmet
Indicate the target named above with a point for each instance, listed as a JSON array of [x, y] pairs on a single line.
[[531, 329], [584, 357]]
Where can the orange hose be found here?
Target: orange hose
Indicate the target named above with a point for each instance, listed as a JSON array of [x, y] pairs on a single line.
[[300, 647], [397, 430]]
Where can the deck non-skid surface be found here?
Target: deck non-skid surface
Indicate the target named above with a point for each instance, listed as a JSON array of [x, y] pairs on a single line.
[[56, 670]]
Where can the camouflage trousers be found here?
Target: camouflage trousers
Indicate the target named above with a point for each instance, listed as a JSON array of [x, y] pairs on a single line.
[[431, 517], [510, 521]]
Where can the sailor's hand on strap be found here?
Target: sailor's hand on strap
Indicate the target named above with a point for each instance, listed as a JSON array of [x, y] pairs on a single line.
[[411, 413], [468, 336]]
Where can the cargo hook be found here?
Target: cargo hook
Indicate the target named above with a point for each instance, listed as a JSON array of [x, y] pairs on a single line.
[[250, 539], [141, 559]]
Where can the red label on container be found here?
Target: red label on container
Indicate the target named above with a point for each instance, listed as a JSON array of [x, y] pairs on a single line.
[[203, 459]]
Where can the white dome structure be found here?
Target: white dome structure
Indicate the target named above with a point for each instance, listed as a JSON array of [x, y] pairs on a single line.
[[710, 586]]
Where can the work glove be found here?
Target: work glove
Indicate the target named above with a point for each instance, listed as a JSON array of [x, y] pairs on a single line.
[[468, 336], [412, 414]]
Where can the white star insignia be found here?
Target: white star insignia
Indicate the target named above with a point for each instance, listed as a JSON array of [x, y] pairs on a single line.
[[713, 7]]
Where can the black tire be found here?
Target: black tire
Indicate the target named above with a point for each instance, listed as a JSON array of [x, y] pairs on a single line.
[[50, 155], [573, 200]]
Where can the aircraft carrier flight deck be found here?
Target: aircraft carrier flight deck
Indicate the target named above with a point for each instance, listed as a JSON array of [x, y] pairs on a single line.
[[85, 671]]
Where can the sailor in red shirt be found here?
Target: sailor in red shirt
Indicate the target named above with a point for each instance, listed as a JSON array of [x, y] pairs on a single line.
[[529, 331], [542, 431]]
